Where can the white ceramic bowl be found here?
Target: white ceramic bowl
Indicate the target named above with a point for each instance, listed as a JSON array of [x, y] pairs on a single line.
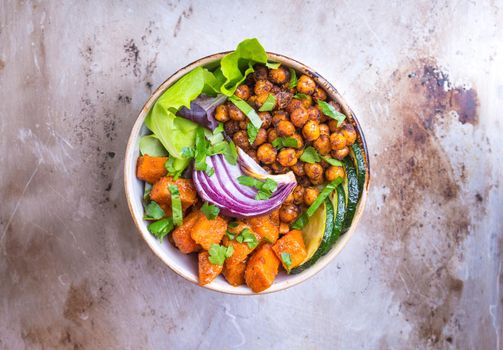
[[186, 265]]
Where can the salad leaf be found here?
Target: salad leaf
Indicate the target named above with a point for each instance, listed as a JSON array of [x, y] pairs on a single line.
[[153, 211], [161, 228], [329, 111], [272, 65], [293, 78], [232, 65], [248, 110], [332, 161], [218, 253], [210, 211], [176, 205], [150, 144], [310, 155], [269, 104], [281, 142]]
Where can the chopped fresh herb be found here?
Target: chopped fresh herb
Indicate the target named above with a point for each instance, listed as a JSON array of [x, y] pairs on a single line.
[[300, 222], [248, 110], [265, 188], [171, 168], [269, 104], [252, 132], [249, 181], [293, 78], [210, 211], [219, 129], [239, 239], [281, 142], [232, 224], [176, 205], [332, 161], [287, 260], [329, 111], [153, 211], [218, 148], [202, 146], [248, 237], [210, 172], [310, 155], [146, 192], [219, 253], [230, 235], [231, 154], [269, 185], [272, 65], [188, 152], [300, 96], [161, 228]]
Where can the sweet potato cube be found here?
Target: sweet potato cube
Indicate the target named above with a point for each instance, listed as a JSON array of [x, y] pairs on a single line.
[[293, 244], [241, 250], [234, 273], [264, 226], [150, 169], [160, 191], [207, 232], [207, 271], [181, 235], [262, 268]]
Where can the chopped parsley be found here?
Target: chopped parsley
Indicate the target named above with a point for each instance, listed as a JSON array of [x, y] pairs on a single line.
[[265, 188], [218, 253], [210, 211]]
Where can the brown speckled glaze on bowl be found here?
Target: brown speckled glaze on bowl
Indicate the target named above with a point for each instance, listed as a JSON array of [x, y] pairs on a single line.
[[186, 266]]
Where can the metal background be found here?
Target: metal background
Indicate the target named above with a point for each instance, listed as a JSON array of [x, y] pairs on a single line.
[[424, 269]]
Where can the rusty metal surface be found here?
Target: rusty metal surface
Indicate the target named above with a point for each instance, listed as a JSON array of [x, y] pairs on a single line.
[[425, 267]]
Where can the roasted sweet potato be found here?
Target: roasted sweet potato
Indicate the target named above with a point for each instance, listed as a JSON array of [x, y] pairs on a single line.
[[207, 232], [241, 250], [207, 271], [181, 235], [264, 226], [234, 273], [150, 169], [160, 191], [293, 244], [262, 268]]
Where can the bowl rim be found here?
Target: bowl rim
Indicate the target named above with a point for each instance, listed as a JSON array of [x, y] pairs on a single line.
[[130, 176]]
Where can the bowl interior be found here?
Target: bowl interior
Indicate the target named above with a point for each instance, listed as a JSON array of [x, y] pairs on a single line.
[[186, 265]]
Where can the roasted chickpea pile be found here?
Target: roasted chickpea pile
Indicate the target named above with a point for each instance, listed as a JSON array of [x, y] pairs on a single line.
[[292, 117]]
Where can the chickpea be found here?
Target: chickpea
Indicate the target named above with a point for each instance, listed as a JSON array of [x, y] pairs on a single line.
[[306, 85], [317, 181], [324, 129], [284, 228], [266, 153], [289, 199], [349, 133], [298, 195], [299, 117], [231, 127], [294, 104], [311, 130], [252, 101], [222, 113], [340, 153], [243, 125], [313, 170], [261, 137], [285, 128], [322, 144], [310, 195], [300, 142], [336, 106], [307, 101], [324, 164], [304, 181], [267, 168], [298, 169], [319, 94], [262, 86], [252, 153], [287, 157], [241, 139], [334, 172], [261, 98], [279, 76], [243, 92], [278, 168], [332, 124], [314, 114], [337, 141], [266, 119], [279, 116], [260, 72], [283, 98], [272, 135], [236, 114], [288, 213]]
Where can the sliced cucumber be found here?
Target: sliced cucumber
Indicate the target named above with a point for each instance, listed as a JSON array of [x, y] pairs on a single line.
[[352, 192], [339, 203], [356, 153], [317, 235]]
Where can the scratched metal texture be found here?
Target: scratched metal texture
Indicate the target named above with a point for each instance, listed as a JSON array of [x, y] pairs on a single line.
[[423, 271]]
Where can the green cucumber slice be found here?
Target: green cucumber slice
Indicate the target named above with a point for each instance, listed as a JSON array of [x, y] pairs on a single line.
[[357, 154], [352, 192]]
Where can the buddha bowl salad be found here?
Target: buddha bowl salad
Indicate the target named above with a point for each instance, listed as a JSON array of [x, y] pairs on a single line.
[[250, 166]]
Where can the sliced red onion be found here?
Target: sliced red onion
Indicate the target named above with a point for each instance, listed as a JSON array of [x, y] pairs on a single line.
[[223, 189]]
